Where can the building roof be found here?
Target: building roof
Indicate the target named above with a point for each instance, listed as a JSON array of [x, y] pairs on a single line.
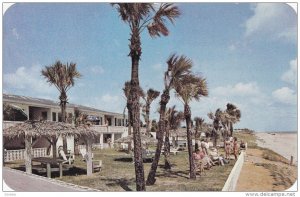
[[27, 99]]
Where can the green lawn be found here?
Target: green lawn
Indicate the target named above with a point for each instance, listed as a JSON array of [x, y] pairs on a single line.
[[118, 174]]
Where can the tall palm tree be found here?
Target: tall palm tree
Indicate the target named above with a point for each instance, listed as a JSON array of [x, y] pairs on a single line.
[[140, 16], [62, 76], [150, 97], [235, 115], [174, 119], [198, 125], [177, 69], [191, 87]]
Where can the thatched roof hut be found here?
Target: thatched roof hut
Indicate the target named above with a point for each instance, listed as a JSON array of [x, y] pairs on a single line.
[[47, 129], [51, 130]]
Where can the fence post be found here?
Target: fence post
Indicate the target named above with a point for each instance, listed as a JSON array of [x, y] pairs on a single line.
[[291, 162]]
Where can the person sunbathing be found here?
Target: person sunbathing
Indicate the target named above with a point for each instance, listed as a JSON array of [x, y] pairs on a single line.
[[214, 154]]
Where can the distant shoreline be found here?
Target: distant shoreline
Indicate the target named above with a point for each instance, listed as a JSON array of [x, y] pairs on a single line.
[[283, 143], [284, 132]]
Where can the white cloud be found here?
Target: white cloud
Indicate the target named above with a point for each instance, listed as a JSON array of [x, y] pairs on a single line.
[[15, 33], [97, 70], [232, 47], [157, 67], [285, 95], [290, 76], [107, 98], [274, 20], [28, 79], [239, 89]]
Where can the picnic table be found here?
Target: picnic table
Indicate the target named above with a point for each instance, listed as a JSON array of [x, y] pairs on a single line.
[[48, 162]]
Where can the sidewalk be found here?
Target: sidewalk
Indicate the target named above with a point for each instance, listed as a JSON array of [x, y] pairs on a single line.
[[22, 182]]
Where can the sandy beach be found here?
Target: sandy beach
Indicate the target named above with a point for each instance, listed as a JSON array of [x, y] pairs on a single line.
[[284, 144]]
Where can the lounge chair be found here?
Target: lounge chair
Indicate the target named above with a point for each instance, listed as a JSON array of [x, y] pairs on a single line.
[[67, 159], [83, 154], [174, 150], [97, 164]]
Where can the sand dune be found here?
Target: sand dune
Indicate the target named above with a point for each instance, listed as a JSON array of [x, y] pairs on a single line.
[[284, 144]]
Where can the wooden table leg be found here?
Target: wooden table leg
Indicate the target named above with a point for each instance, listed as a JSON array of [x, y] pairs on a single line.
[[48, 170], [60, 170]]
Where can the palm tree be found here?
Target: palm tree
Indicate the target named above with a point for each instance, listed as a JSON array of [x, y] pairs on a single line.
[[198, 125], [235, 115], [191, 87], [177, 69], [150, 97], [140, 16], [62, 76], [174, 119], [216, 118]]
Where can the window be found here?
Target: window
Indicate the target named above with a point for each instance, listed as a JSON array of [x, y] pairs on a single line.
[[53, 116], [44, 115], [115, 121], [101, 123]]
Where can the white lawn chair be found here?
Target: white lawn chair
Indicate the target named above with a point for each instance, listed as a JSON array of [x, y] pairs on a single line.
[[84, 154], [97, 164], [67, 159]]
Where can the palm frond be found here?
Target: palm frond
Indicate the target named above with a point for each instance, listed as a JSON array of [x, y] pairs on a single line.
[[158, 26]]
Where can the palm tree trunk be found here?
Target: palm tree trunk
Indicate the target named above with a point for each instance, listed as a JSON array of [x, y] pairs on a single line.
[[187, 113], [54, 140], [135, 53], [148, 119], [63, 103], [167, 148], [159, 135], [214, 132], [231, 129], [196, 138], [129, 127]]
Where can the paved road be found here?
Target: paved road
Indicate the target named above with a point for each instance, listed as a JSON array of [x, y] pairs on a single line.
[[21, 182]]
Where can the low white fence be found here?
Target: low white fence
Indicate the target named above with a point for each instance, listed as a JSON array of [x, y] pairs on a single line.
[[233, 177], [13, 155]]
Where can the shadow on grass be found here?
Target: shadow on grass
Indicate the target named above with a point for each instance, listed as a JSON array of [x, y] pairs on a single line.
[[123, 159], [174, 174], [72, 171], [123, 183], [129, 159]]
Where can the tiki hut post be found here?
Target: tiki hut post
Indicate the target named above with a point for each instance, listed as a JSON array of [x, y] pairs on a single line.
[[54, 140], [28, 155], [89, 162]]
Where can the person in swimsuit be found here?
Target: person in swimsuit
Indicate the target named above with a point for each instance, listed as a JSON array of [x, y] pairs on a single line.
[[227, 148], [235, 148]]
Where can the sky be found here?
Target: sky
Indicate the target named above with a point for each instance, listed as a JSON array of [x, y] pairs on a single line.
[[246, 51]]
